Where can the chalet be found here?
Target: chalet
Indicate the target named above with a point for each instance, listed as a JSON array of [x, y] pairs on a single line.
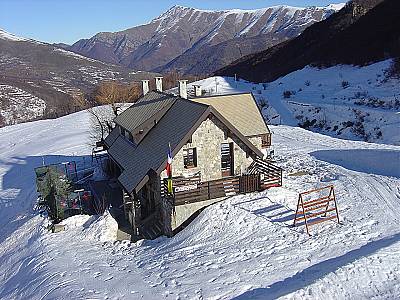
[[217, 143]]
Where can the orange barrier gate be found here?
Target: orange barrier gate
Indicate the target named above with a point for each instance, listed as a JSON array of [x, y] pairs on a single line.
[[314, 211]]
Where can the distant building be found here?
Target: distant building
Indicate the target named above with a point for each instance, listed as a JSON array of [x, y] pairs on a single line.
[[217, 144]]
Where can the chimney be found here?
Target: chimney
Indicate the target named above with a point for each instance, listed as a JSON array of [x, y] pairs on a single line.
[[145, 87], [197, 91], [183, 89], [159, 84]]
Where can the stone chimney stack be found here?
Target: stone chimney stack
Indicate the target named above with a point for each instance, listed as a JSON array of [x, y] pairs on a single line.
[[183, 89], [197, 91], [159, 84], [145, 87]]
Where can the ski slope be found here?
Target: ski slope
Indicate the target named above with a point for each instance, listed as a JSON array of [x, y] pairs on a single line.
[[241, 248]]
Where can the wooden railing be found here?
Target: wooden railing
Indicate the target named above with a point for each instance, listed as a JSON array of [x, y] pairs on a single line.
[[270, 174], [261, 175], [202, 191]]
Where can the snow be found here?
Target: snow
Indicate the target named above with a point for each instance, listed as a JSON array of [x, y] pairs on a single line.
[[101, 228], [363, 160], [261, 21], [9, 36], [242, 247], [176, 8], [318, 94], [75, 55], [336, 6], [18, 105]]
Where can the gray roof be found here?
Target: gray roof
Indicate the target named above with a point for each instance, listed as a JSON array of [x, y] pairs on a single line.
[[147, 106], [152, 151], [239, 109], [110, 139]]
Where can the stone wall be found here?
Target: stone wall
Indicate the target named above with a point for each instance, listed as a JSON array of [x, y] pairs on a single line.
[[207, 140], [184, 212], [257, 141]]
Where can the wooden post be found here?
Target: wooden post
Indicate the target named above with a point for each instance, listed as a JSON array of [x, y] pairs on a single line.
[[329, 198], [337, 212], [297, 210], [304, 214]]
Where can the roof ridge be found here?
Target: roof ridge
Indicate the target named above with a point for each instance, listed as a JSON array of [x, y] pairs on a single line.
[[224, 95]]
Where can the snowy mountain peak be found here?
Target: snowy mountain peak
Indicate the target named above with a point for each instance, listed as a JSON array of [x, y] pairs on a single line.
[[336, 6], [244, 22], [179, 9], [9, 36], [181, 35]]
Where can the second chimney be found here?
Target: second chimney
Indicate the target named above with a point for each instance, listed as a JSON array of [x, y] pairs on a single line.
[[183, 89], [197, 91], [159, 84], [145, 87]]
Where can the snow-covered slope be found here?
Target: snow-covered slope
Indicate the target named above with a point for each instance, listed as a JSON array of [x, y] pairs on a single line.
[[243, 247], [253, 22], [344, 101], [9, 36], [32, 71], [17, 105]]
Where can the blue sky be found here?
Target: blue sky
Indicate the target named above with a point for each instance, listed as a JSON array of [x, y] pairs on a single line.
[[70, 20]]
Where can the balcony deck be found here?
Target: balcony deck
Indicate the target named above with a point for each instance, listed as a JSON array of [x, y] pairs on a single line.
[[262, 175]]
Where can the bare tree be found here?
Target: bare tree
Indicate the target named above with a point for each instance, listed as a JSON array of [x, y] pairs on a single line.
[[101, 118], [2, 121], [79, 101], [107, 93], [110, 96]]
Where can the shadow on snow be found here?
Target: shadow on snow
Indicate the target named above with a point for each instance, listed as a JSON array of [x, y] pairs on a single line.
[[18, 193], [372, 161], [315, 272]]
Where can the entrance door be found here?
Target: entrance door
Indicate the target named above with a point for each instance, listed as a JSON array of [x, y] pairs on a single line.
[[227, 164], [147, 201]]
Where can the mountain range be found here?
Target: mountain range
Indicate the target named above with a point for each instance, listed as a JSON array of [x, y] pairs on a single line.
[[363, 32], [199, 42], [43, 80], [38, 79]]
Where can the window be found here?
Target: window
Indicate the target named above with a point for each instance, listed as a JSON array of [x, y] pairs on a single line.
[[190, 158], [227, 164], [265, 141]]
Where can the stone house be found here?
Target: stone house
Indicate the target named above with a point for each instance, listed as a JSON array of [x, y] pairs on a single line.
[[217, 143]]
